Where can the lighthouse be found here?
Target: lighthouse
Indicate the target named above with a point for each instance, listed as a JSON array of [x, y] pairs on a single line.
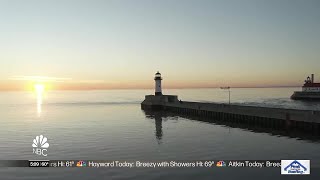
[[157, 79]]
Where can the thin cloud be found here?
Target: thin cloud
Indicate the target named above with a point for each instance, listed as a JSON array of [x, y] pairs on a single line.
[[88, 81], [39, 78]]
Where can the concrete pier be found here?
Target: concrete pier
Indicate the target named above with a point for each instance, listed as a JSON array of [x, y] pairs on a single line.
[[276, 118]]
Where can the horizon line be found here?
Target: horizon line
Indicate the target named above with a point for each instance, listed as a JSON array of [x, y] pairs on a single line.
[[100, 89]]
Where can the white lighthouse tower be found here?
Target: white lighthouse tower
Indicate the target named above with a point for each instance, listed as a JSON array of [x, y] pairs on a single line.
[[158, 79], [158, 100]]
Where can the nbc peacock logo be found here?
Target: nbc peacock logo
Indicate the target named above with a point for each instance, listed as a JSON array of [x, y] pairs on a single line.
[[40, 145], [221, 164]]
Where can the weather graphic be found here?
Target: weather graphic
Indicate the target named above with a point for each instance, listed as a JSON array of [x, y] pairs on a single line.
[[221, 164], [81, 164]]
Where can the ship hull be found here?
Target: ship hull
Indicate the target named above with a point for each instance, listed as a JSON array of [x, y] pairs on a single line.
[[300, 95]]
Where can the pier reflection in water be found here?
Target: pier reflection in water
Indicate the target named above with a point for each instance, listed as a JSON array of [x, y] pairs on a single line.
[[158, 116]]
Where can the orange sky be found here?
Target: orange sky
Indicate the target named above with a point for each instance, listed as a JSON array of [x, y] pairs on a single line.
[[13, 85]]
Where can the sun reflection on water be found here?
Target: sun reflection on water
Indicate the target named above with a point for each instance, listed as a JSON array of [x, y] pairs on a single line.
[[39, 88]]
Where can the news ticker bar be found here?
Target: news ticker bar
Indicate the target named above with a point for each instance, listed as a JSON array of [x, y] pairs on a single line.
[[142, 164]]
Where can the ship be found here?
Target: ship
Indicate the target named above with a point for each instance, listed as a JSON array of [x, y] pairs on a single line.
[[310, 90]]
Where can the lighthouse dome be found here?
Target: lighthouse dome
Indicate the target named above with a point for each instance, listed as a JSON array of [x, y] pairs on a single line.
[[157, 76]]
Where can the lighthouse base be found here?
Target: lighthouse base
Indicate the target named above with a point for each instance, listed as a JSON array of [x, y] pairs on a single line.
[[158, 102], [158, 93]]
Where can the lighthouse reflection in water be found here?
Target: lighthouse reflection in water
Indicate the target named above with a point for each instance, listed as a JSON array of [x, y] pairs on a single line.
[[158, 122]]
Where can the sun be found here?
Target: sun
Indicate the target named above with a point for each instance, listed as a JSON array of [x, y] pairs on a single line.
[[39, 88]]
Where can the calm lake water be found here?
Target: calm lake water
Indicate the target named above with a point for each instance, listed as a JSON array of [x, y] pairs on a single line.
[[109, 125]]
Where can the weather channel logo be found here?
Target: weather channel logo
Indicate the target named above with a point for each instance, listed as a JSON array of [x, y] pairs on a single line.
[[221, 164], [81, 164], [40, 145], [298, 167]]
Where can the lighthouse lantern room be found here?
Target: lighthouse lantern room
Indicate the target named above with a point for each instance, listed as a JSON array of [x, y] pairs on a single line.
[[158, 78]]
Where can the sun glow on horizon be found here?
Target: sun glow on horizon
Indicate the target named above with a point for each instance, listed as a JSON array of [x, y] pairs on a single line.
[[39, 88]]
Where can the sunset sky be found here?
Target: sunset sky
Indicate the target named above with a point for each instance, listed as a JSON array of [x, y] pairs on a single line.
[[102, 44]]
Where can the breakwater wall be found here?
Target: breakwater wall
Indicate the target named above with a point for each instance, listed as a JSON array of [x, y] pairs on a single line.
[[277, 118]]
